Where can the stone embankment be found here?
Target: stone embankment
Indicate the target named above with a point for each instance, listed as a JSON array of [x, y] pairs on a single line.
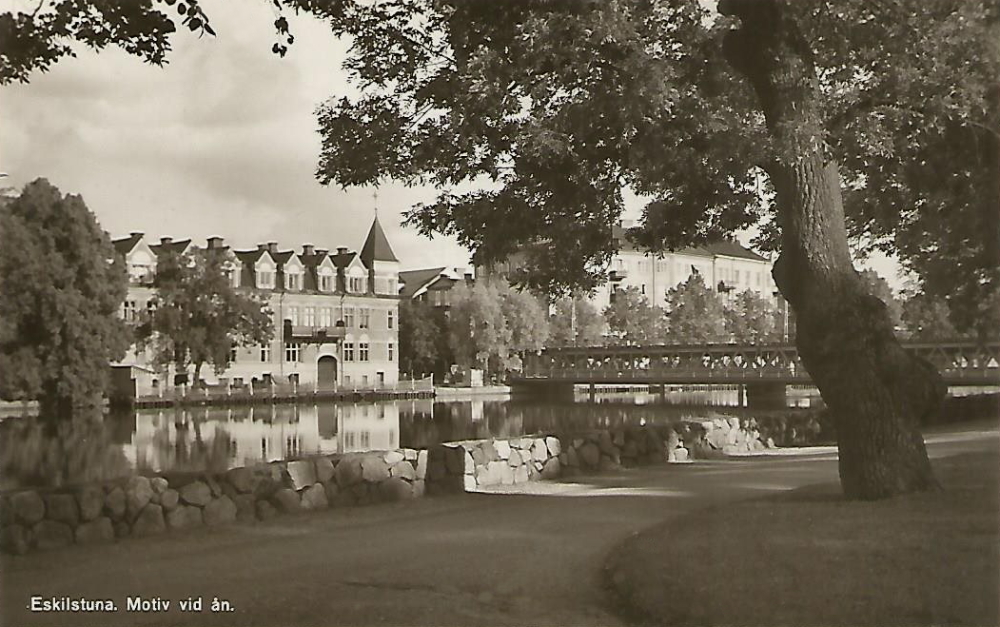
[[45, 519]]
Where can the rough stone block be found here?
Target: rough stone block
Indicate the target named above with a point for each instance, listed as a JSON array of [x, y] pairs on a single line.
[[590, 455], [618, 438], [287, 500], [50, 534], [349, 471], [314, 497], [332, 491], [196, 493], [374, 469], [364, 493], [28, 508], [410, 454], [605, 444], [343, 498], [245, 510], [403, 470], [421, 464], [241, 478], [213, 485], [502, 448], [539, 452], [184, 517], [514, 459], [14, 539], [169, 499], [95, 531], [607, 463], [551, 468], [302, 473], [395, 489], [521, 474], [572, 459], [219, 512], [62, 508], [393, 457], [678, 455], [159, 485], [265, 511], [419, 488], [506, 474], [554, 446], [138, 493], [114, 502], [324, 469], [150, 521], [469, 483]]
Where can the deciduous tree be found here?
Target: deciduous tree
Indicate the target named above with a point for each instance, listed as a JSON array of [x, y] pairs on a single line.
[[477, 332], [631, 318], [422, 336], [575, 322], [197, 317], [927, 318], [61, 288], [695, 314], [751, 318]]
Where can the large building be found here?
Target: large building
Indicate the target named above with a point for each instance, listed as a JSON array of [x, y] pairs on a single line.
[[336, 313], [726, 267]]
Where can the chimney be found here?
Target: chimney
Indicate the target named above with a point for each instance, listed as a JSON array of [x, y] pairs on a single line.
[[322, 252], [272, 247], [468, 277], [341, 250], [307, 249], [137, 234], [215, 242], [165, 241], [261, 246]]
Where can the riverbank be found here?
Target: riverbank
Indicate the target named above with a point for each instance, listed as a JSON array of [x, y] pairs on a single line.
[[809, 557]]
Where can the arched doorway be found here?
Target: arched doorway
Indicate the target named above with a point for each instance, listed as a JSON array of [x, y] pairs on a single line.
[[326, 371]]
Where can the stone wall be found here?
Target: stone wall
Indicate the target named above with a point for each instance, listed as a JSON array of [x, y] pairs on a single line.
[[143, 506]]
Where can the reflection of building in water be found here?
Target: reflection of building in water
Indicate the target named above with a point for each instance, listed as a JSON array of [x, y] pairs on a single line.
[[368, 427], [216, 439]]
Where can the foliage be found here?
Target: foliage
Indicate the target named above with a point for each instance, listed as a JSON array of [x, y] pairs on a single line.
[[525, 318], [631, 317], [575, 322], [751, 318], [421, 331], [879, 287], [477, 332], [61, 288], [927, 318], [695, 313], [196, 316]]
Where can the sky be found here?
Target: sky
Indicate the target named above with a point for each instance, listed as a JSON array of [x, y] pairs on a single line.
[[221, 141]]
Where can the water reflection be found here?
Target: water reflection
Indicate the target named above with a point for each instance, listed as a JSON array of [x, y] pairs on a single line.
[[38, 453]]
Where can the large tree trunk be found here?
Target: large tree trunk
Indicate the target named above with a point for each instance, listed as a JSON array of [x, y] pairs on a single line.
[[877, 392]]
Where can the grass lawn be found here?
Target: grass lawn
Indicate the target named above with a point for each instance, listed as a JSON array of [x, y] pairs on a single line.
[[809, 557]]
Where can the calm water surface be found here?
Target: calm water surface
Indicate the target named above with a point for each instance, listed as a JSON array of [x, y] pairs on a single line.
[[35, 452]]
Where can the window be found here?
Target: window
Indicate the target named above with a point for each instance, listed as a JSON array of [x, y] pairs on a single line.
[[293, 314], [349, 317], [293, 281], [265, 353], [265, 279], [348, 351], [293, 352], [364, 315], [326, 317], [389, 321], [309, 317], [325, 283], [129, 310], [357, 284], [232, 354], [389, 348], [362, 351]]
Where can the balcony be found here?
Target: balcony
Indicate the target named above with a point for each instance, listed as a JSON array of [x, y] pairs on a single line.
[[312, 335], [618, 275]]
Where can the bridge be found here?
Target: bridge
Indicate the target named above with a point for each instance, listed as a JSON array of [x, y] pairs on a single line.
[[764, 369]]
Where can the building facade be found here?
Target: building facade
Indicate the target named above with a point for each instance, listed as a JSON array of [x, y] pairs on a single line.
[[336, 313]]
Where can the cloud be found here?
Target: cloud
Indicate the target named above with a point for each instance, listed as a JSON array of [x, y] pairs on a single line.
[[221, 141]]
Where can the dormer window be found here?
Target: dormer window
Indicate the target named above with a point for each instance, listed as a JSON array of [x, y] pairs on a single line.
[[357, 284], [293, 281], [325, 281], [265, 279]]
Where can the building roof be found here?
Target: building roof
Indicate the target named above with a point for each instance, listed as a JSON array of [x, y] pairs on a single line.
[[282, 257], [414, 281], [251, 256], [726, 248], [170, 246], [377, 246], [125, 245], [342, 260]]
